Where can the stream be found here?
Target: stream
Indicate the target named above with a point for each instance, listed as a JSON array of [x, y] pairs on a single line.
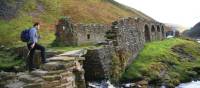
[[193, 84], [107, 84]]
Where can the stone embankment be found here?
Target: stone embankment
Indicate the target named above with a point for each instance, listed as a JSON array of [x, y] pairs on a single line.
[[62, 71]]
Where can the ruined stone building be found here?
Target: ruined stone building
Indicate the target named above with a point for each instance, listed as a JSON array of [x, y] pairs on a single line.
[[69, 34]]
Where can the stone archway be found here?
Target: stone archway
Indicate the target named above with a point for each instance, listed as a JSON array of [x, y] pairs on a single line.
[[153, 32], [147, 33]]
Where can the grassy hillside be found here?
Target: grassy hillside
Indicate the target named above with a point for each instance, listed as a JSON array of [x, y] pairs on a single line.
[[170, 62], [49, 11]]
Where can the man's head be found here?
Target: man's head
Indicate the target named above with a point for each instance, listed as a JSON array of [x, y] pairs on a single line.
[[37, 25]]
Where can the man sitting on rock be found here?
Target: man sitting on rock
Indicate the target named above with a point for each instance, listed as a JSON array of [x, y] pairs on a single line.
[[33, 45]]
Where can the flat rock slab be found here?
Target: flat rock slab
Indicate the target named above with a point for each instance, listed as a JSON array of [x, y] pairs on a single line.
[[39, 73], [53, 66]]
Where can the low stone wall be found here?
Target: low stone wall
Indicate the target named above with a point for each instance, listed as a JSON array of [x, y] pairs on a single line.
[[60, 72]]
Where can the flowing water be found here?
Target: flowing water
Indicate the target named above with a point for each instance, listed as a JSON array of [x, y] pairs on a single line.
[[193, 84], [102, 84]]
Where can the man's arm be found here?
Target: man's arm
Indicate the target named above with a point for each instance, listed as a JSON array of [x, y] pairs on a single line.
[[33, 39]]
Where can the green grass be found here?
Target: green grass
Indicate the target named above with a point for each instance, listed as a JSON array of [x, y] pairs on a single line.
[[8, 61], [158, 56]]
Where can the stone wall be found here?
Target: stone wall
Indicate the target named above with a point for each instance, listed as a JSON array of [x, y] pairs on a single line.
[[71, 34], [60, 72], [98, 63]]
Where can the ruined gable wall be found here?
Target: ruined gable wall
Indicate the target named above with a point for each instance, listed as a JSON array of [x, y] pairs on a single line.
[[90, 33], [70, 34]]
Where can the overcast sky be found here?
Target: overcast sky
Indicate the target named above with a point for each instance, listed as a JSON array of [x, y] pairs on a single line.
[[181, 12]]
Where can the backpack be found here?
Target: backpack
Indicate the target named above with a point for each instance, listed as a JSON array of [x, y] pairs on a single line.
[[25, 37]]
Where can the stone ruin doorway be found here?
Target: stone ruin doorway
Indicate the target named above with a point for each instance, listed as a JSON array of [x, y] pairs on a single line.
[[147, 33]]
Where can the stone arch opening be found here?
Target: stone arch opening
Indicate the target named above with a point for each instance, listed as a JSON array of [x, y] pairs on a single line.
[[88, 36], [152, 28], [147, 33], [158, 28]]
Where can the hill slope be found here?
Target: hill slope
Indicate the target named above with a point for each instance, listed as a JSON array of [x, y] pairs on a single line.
[[16, 15], [194, 32]]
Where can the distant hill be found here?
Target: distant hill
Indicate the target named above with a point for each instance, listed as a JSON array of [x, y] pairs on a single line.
[[194, 32], [16, 15]]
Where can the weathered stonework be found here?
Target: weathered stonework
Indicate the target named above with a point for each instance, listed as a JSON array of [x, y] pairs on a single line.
[[61, 71], [98, 63]]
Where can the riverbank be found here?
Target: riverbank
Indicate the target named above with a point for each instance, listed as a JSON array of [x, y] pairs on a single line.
[[168, 62]]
